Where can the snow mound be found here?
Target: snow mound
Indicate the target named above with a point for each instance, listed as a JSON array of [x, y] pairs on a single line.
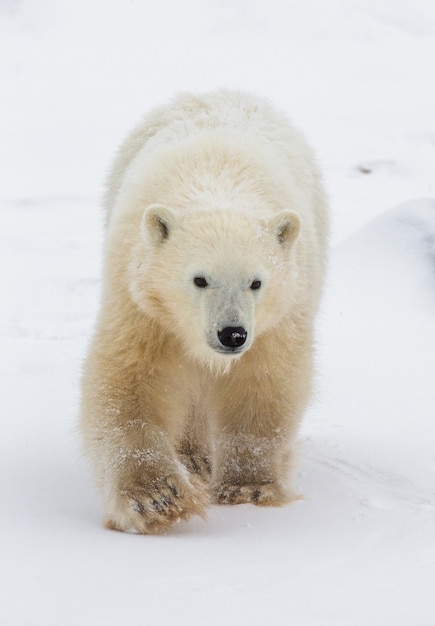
[[394, 256]]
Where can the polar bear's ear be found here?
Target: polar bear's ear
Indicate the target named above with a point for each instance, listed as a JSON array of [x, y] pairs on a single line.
[[286, 226], [157, 223]]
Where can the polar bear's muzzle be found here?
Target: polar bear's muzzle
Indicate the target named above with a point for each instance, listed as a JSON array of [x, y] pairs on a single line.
[[229, 319]]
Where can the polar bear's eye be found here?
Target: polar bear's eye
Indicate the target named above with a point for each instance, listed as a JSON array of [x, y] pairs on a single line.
[[256, 284], [200, 281]]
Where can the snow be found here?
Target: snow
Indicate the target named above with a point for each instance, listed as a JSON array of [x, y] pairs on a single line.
[[356, 78]]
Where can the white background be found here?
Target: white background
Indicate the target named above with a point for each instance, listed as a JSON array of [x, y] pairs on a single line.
[[358, 78]]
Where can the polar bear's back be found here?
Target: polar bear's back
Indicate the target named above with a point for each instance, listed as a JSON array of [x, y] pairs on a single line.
[[189, 114]]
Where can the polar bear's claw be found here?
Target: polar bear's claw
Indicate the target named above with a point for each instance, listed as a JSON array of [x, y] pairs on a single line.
[[269, 494]]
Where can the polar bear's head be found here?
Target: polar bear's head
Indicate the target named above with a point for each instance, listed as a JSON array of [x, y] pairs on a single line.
[[217, 279]]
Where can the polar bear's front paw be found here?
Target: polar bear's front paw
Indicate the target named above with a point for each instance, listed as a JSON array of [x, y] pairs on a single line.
[[268, 494], [153, 508]]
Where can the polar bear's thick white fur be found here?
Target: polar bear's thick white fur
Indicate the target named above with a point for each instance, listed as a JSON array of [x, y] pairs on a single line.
[[201, 364]]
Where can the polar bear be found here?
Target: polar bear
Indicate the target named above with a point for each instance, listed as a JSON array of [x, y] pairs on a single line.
[[201, 364]]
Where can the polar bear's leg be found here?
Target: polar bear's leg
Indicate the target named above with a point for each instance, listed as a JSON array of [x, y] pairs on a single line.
[[130, 428], [258, 416]]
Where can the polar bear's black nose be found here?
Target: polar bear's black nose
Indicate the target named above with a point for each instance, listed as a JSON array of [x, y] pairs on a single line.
[[232, 336]]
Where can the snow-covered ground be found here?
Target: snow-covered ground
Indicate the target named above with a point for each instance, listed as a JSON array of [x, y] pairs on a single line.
[[357, 77]]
